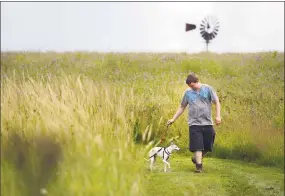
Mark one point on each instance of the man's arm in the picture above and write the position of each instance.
(215, 99)
(218, 111)
(179, 111)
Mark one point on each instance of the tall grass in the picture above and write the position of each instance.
(102, 108)
(88, 119)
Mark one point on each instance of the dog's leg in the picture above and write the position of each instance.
(151, 163)
(166, 163)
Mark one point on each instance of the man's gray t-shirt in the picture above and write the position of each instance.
(199, 105)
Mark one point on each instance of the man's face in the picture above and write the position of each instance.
(193, 85)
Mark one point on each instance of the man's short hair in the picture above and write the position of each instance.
(192, 77)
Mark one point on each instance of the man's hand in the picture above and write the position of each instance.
(218, 120)
(169, 122)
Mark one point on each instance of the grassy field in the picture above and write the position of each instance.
(95, 115)
(220, 178)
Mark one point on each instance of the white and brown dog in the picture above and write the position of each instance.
(163, 152)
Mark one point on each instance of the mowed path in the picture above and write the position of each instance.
(220, 178)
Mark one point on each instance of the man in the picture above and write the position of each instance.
(199, 97)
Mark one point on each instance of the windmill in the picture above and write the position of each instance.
(208, 29)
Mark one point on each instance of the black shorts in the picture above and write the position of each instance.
(201, 138)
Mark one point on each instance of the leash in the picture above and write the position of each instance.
(164, 134)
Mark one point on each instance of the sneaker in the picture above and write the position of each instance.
(199, 168)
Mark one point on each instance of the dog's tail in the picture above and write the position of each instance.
(146, 159)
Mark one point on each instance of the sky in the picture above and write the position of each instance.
(140, 26)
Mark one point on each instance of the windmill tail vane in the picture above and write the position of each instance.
(190, 27)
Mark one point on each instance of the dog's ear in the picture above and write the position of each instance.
(171, 142)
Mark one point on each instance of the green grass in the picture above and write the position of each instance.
(105, 110)
(220, 177)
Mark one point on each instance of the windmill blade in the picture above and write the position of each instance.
(211, 21)
(203, 35)
(217, 25)
(190, 27)
(216, 28)
(217, 22)
(203, 32)
(210, 36)
(206, 36)
(207, 19)
(206, 23)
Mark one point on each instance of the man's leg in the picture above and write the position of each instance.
(196, 146)
(198, 157)
(194, 156)
(199, 165)
(208, 139)
(195, 138)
